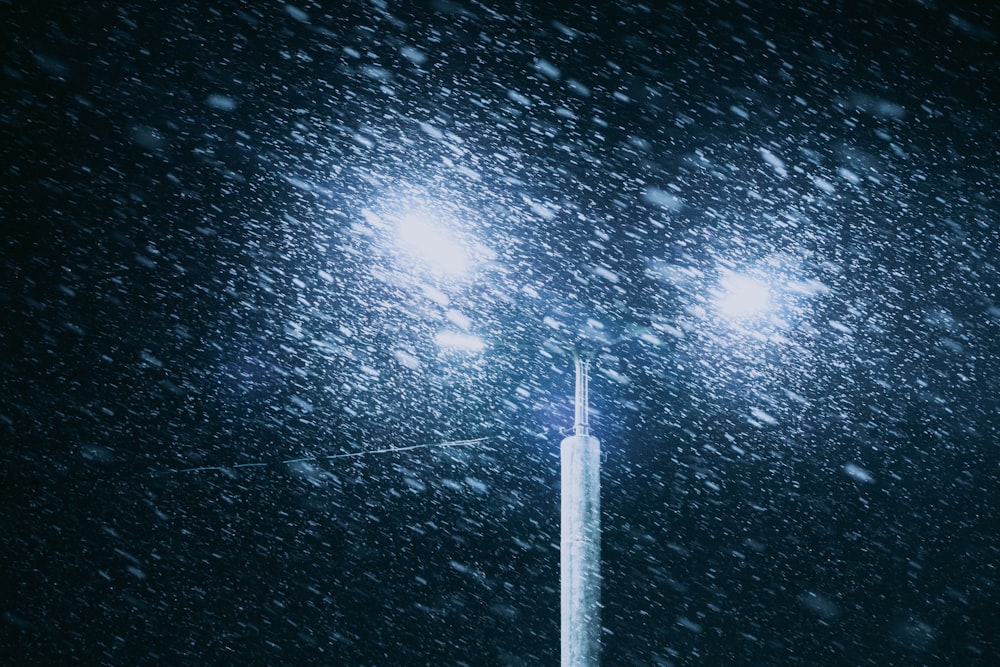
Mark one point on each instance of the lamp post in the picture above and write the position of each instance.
(580, 535)
(580, 453)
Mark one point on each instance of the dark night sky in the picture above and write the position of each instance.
(199, 269)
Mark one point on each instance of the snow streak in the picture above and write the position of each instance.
(329, 457)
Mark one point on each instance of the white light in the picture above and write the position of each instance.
(431, 243)
(743, 297)
(461, 342)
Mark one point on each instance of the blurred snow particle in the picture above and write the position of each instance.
(808, 287)
(301, 404)
(54, 68)
(848, 176)
(17, 621)
(820, 605)
(824, 185)
(565, 30)
(541, 210)
(458, 318)
(476, 485)
(858, 473)
(841, 327)
(546, 68)
(148, 137)
(580, 89)
(913, 633)
(220, 102)
(640, 143)
(451, 7)
(615, 376)
(297, 13)
(776, 163)
(663, 199)
(606, 274)
(518, 98)
(689, 624)
(673, 274)
(414, 55)
(459, 341)
(362, 140)
(150, 360)
(763, 417)
(376, 73)
(415, 484)
(430, 130)
(971, 29)
(407, 359)
(97, 453)
(877, 106)
(435, 295)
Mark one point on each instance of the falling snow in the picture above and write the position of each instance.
(303, 251)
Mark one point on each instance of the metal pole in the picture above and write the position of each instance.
(581, 424)
(580, 536)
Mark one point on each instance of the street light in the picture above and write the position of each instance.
(755, 298)
(428, 241)
(751, 300)
(743, 296)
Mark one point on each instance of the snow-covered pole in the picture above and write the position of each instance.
(580, 535)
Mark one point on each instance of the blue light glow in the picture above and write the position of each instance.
(743, 297)
(429, 241)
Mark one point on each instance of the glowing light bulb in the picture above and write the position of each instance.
(743, 297)
(431, 243)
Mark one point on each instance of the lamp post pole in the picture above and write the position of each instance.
(580, 535)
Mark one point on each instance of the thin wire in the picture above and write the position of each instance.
(330, 457)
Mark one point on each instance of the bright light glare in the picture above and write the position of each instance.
(461, 342)
(431, 243)
(743, 297)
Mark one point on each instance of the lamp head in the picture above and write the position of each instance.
(743, 297)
